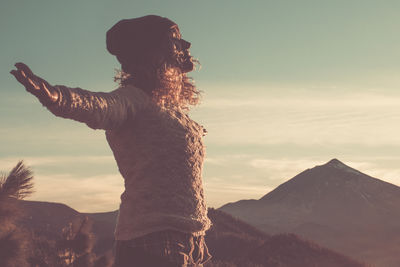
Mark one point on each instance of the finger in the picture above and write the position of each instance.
(31, 82)
(45, 86)
(34, 84)
(20, 78)
(21, 66)
(21, 71)
(46, 91)
(43, 82)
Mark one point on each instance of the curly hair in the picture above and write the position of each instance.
(168, 86)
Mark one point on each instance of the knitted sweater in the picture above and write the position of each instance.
(159, 153)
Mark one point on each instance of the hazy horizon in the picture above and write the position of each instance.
(286, 86)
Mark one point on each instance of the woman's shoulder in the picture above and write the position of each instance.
(135, 95)
(132, 90)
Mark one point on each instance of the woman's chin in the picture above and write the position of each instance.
(187, 66)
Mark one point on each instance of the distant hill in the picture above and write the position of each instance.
(231, 241)
(47, 218)
(336, 206)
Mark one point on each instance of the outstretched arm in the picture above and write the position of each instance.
(98, 110)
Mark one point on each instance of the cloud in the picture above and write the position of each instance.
(85, 194)
(283, 164)
(225, 160)
(7, 162)
(310, 118)
(220, 193)
(312, 101)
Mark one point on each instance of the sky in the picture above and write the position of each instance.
(287, 85)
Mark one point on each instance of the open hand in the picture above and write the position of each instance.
(34, 84)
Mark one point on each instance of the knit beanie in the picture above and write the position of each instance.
(135, 39)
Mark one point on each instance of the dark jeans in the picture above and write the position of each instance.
(162, 249)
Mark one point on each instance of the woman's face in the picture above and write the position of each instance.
(181, 50)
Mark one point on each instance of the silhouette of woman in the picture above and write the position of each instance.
(158, 148)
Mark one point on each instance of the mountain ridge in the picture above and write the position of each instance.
(232, 241)
(334, 205)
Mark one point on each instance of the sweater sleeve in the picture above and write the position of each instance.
(98, 110)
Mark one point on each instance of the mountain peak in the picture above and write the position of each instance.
(337, 164)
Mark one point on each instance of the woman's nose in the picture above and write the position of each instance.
(185, 44)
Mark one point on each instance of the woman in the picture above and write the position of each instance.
(157, 147)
